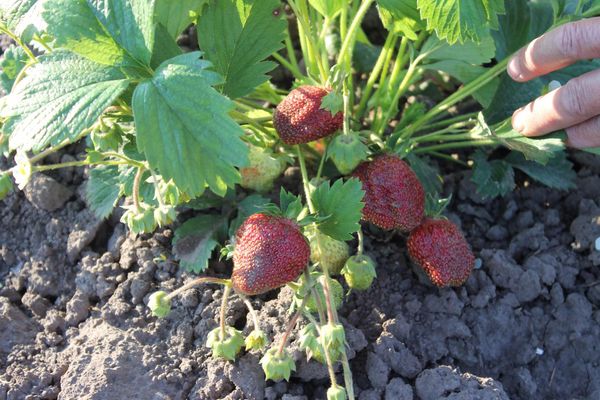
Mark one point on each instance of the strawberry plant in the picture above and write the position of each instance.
(167, 130)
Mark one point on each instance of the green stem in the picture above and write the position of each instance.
(304, 29)
(305, 180)
(448, 158)
(252, 311)
(156, 189)
(390, 43)
(322, 162)
(361, 241)
(136, 188)
(455, 145)
(458, 96)
(449, 121)
(18, 41)
(196, 282)
(223, 312)
(291, 52)
(286, 336)
(250, 121)
(348, 44)
(82, 163)
(293, 69)
(399, 63)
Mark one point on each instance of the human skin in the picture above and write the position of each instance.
(575, 106)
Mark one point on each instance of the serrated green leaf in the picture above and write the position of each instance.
(290, 204)
(328, 8)
(165, 47)
(248, 206)
(175, 16)
(195, 241)
(428, 175)
(238, 43)
(401, 17)
(184, 129)
(62, 95)
(13, 61)
(102, 190)
(333, 102)
(469, 52)
(493, 178)
(461, 20)
(110, 32)
(558, 173)
(342, 203)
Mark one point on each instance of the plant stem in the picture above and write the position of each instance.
(304, 29)
(286, 336)
(196, 282)
(388, 47)
(18, 41)
(82, 163)
(322, 162)
(291, 67)
(244, 118)
(449, 121)
(136, 188)
(448, 158)
(348, 44)
(251, 310)
(291, 52)
(305, 180)
(223, 312)
(361, 241)
(455, 145)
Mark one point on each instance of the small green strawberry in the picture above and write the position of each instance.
(139, 221)
(264, 168)
(331, 254)
(359, 272)
(164, 215)
(336, 393)
(159, 304)
(277, 366)
(337, 292)
(108, 140)
(333, 337)
(225, 347)
(347, 151)
(256, 340)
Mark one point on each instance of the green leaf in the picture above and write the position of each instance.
(176, 15)
(22, 17)
(333, 102)
(558, 173)
(428, 175)
(195, 241)
(593, 150)
(103, 190)
(290, 205)
(461, 20)
(111, 32)
(342, 203)
(248, 206)
(62, 95)
(238, 43)
(401, 17)
(493, 178)
(184, 129)
(165, 47)
(468, 52)
(13, 61)
(328, 8)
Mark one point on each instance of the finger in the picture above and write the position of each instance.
(557, 49)
(584, 135)
(569, 105)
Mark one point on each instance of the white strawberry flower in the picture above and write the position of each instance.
(22, 171)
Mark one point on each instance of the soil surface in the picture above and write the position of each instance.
(74, 325)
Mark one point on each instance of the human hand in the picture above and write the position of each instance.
(574, 106)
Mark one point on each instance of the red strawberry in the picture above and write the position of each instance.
(270, 251)
(439, 247)
(299, 118)
(394, 197)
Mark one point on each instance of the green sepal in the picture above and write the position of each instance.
(165, 215)
(139, 221)
(109, 140)
(277, 366)
(336, 393)
(347, 151)
(159, 304)
(6, 185)
(359, 272)
(227, 347)
(256, 340)
(337, 291)
(333, 339)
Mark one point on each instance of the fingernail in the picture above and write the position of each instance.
(518, 121)
(514, 69)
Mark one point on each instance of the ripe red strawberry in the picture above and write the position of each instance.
(270, 251)
(394, 197)
(299, 117)
(439, 247)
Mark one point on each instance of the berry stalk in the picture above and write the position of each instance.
(223, 312)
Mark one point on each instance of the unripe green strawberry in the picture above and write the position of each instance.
(139, 221)
(164, 215)
(159, 304)
(225, 347)
(264, 168)
(270, 251)
(109, 140)
(6, 184)
(336, 393)
(331, 254)
(337, 293)
(347, 151)
(359, 272)
(256, 340)
(277, 366)
(394, 197)
(299, 117)
(439, 247)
